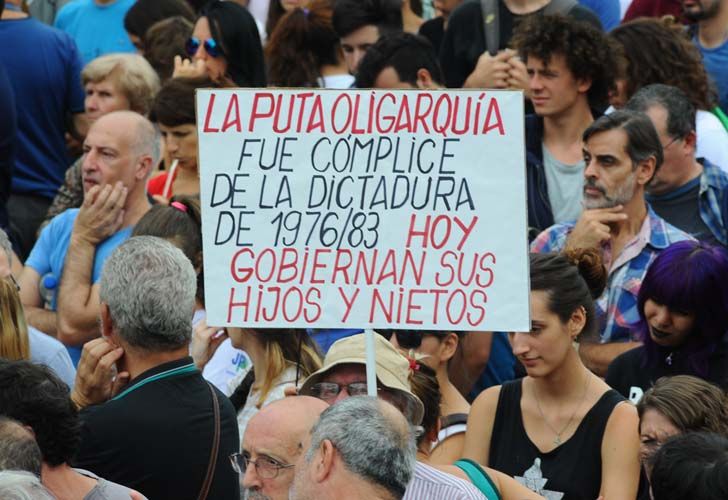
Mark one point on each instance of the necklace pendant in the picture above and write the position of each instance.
(557, 440)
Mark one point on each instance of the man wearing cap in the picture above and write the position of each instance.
(344, 374)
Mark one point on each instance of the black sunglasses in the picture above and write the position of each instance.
(409, 339)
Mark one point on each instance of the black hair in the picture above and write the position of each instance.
(589, 53)
(144, 13)
(18, 449)
(174, 104)
(164, 40)
(405, 52)
(680, 111)
(642, 139)
(692, 465)
(234, 28)
(573, 279)
(350, 15)
(35, 396)
(182, 227)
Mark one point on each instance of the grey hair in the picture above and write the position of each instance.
(18, 449)
(372, 445)
(680, 111)
(6, 246)
(149, 286)
(147, 141)
(21, 485)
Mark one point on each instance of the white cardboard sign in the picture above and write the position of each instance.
(364, 208)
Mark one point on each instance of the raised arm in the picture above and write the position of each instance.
(78, 298)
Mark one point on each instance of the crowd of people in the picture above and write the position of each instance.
(113, 385)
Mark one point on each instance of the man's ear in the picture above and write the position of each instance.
(583, 85)
(646, 170)
(107, 326)
(424, 79)
(143, 167)
(324, 461)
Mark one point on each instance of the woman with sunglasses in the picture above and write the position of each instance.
(436, 350)
(225, 46)
(560, 429)
(683, 323)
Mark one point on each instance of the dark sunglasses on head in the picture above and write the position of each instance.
(211, 46)
(408, 339)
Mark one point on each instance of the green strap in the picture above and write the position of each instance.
(479, 478)
(721, 116)
(169, 373)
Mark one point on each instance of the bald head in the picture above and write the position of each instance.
(278, 434)
(141, 135)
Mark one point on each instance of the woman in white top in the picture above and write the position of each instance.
(657, 51)
(280, 357)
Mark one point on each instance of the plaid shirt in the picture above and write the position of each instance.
(712, 183)
(617, 307)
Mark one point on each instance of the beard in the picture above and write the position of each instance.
(620, 196)
(248, 494)
(701, 11)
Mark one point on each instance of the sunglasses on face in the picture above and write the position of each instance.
(212, 48)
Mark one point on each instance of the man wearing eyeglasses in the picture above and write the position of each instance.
(272, 444)
(686, 192)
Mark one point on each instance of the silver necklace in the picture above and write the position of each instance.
(557, 439)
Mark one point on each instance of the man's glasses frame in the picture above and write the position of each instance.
(265, 467)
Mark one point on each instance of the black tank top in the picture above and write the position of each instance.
(571, 471)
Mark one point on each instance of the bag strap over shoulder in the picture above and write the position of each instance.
(212, 463)
(491, 25)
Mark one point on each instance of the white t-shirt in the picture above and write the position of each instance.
(288, 377)
(712, 139)
(225, 364)
(343, 81)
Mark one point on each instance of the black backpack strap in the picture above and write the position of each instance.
(491, 25)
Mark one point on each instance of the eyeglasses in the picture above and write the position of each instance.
(664, 147)
(328, 391)
(211, 47)
(265, 467)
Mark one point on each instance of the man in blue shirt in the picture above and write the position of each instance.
(686, 192)
(97, 26)
(711, 37)
(44, 69)
(119, 153)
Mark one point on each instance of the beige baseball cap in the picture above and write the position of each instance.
(392, 368)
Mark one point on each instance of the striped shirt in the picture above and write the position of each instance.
(429, 483)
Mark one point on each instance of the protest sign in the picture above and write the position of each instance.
(364, 208)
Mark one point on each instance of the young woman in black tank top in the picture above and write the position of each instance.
(560, 430)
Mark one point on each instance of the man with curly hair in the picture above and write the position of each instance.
(571, 68)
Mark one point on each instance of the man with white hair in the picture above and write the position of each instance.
(169, 433)
(119, 153)
(361, 449)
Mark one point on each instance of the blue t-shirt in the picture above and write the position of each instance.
(8, 137)
(607, 11)
(45, 72)
(97, 29)
(716, 64)
(49, 254)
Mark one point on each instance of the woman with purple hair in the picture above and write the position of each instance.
(683, 307)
